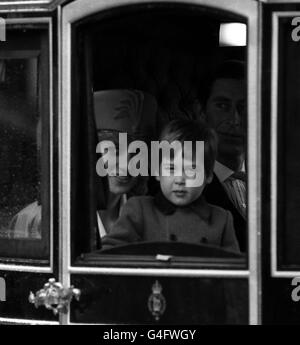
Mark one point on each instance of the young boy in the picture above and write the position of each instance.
(179, 212)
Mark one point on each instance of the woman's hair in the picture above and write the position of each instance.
(193, 130)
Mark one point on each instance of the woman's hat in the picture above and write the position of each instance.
(129, 111)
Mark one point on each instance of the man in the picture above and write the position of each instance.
(225, 111)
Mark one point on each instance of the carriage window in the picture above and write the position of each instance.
(287, 158)
(143, 78)
(24, 70)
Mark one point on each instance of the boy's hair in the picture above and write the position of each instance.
(193, 130)
(229, 69)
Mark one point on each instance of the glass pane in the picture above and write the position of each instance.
(288, 165)
(141, 83)
(24, 75)
(19, 149)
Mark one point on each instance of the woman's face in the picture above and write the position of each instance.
(122, 182)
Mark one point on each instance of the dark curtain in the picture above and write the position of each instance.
(88, 190)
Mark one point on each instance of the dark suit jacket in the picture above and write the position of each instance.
(215, 194)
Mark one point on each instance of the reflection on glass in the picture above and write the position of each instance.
(20, 209)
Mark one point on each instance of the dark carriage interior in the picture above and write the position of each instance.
(168, 52)
(24, 160)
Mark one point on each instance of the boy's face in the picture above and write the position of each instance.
(177, 189)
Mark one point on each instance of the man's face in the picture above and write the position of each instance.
(226, 113)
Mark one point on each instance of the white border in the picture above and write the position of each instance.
(24, 3)
(162, 272)
(4, 321)
(82, 8)
(274, 137)
(32, 268)
(285, 2)
(254, 60)
(63, 274)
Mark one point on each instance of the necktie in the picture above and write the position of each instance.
(239, 175)
(236, 189)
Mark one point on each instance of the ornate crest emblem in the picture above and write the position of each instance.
(156, 301)
(54, 296)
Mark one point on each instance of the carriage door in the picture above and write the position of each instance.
(164, 49)
(27, 249)
(281, 242)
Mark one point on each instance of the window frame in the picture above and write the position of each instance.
(80, 9)
(29, 5)
(34, 265)
(276, 272)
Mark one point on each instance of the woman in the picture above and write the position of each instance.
(123, 111)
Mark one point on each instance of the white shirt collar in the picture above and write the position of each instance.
(222, 172)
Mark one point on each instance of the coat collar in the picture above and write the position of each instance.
(199, 206)
(222, 172)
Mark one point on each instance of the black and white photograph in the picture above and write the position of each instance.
(149, 165)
